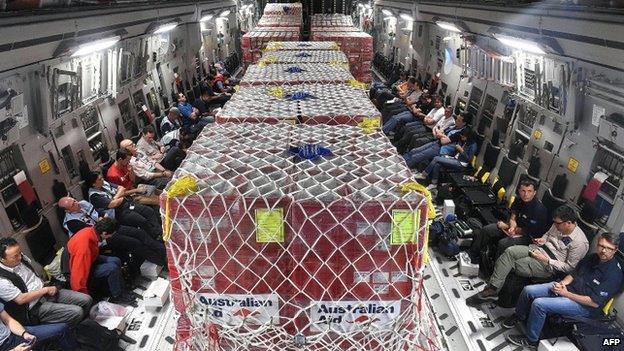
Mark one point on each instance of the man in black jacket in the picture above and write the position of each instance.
(26, 297)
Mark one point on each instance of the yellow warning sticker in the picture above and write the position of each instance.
(404, 226)
(270, 225)
(537, 134)
(44, 166)
(573, 165)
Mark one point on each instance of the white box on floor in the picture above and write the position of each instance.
(449, 208)
(467, 268)
(150, 270)
(556, 344)
(157, 293)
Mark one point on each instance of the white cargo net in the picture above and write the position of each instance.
(296, 73)
(283, 9)
(304, 103)
(305, 56)
(303, 45)
(278, 252)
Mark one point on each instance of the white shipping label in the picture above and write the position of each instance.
(361, 277)
(235, 308)
(354, 315)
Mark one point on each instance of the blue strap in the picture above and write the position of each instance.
(294, 69)
(309, 151)
(299, 96)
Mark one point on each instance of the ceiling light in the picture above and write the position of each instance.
(96, 46)
(206, 18)
(166, 27)
(407, 17)
(386, 13)
(449, 26)
(368, 6)
(225, 13)
(519, 43)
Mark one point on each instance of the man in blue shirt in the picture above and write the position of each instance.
(443, 145)
(582, 293)
(184, 107)
(528, 220)
(465, 149)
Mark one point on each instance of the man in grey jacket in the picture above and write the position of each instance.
(559, 250)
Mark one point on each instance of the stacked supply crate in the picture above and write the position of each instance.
(280, 73)
(254, 42)
(297, 231)
(280, 22)
(357, 45)
(299, 103)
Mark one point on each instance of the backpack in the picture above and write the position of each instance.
(90, 336)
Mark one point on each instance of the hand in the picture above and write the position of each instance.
(502, 225)
(539, 256)
(167, 174)
(162, 150)
(560, 289)
(30, 338)
(539, 241)
(511, 231)
(22, 347)
(52, 290)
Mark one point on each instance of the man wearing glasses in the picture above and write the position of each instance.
(559, 250)
(581, 293)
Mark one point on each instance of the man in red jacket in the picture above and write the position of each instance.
(86, 263)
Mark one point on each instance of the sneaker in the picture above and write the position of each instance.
(432, 186)
(522, 341)
(123, 299)
(510, 321)
(420, 176)
(486, 295)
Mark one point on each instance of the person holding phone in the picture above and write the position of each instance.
(15, 337)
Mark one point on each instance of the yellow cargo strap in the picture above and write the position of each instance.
(335, 46)
(414, 186)
(357, 84)
(237, 88)
(184, 186)
(277, 92)
(339, 63)
(369, 124)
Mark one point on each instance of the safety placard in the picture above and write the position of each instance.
(44, 166)
(573, 165)
(404, 224)
(270, 225)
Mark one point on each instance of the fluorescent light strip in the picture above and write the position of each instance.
(387, 12)
(98, 45)
(407, 17)
(165, 27)
(206, 18)
(449, 26)
(225, 13)
(521, 44)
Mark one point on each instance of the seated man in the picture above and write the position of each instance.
(172, 135)
(183, 106)
(170, 158)
(416, 134)
(139, 164)
(559, 250)
(528, 220)
(449, 137)
(465, 149)
(208, 100)
(135, 241)
(403, 100)
(583, 293)
(110, 200)
(86, 264)
(14, 336)
(26, 296)
(380, 92)
(413, 116)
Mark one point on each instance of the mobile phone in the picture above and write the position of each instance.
(31, 342)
